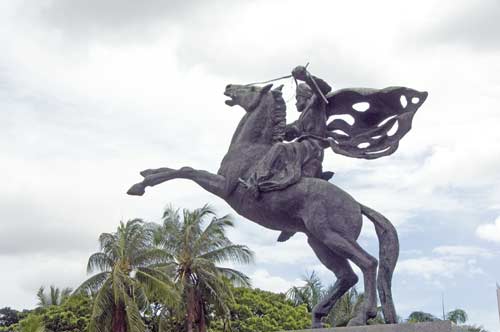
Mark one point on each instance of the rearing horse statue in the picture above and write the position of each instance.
(329, 217)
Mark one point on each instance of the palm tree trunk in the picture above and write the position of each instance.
(118, 320)
(190, 310)
(203, 323)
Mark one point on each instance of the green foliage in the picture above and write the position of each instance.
(32, 323)
(8, 317)
(471, 328)
(420, 317)
(257, 310)
(309, 294)
(457, 316)
(72, 316)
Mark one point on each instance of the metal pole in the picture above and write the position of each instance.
(442, 303)
(498, 299)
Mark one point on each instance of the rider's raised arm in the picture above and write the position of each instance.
(318, 85)
(322, 85)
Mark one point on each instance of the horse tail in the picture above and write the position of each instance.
(388, 256)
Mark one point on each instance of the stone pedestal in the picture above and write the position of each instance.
(440, 326)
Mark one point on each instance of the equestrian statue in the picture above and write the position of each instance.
(272, 175)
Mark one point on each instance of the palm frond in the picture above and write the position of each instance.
(218, 289)
(155, 282)
(213, 235)
(42, 298)
(235, 253)
(151, 256)
(102, 309)
(92, 284)
(99, 261)
(237, 278)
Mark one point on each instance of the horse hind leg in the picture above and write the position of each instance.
(350, 249)
(346, 278)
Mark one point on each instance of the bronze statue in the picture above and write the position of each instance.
(282, 186)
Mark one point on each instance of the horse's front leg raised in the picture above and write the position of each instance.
(211, 182)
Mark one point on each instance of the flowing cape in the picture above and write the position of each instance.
(369, 123)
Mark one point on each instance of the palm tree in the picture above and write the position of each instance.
(196, 250)
(130, 270)
(420, 316)
(457, 316)
(55, 297)
(309, 294)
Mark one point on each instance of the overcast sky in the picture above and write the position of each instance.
(91, 92)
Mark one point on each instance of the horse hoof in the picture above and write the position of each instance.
(316, 321)
(356, 322)
(137, 189)
(317, 324)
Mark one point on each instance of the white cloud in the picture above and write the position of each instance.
(264, 280)
(460, 251)
(490, 232)
(447, 262)
(293, 251)
(28, 272)
(429, 268)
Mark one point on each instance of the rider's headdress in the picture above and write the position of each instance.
(304, 90)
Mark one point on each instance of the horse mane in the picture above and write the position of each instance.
(278, 116)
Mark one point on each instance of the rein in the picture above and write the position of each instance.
(269, 81)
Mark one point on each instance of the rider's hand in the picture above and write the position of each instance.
(291, 132)
(300, 73)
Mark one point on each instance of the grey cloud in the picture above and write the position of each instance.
(474, 26)
(28, 227)
(240, 62)
(120, 20)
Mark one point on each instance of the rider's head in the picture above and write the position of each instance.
(302, 95)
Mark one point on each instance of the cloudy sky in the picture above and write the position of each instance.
(91, 92)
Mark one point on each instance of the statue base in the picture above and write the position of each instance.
(439, 326)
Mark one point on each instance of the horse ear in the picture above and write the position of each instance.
(266, 88)
(279, 88)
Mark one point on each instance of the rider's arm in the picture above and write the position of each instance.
(317, 84)
(322, 85)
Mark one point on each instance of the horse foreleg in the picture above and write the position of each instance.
(211, 182)
(151, 171)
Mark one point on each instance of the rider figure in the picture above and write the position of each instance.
(286, 163)
(310, 129)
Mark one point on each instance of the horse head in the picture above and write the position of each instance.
(265, 118)
(248, 97)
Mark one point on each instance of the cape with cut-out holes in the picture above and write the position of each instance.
(369, 123)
